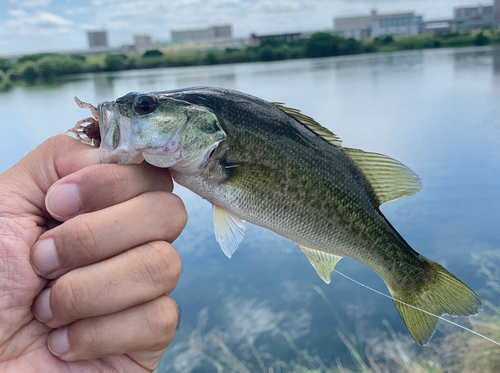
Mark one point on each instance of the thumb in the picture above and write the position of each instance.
(29, 180)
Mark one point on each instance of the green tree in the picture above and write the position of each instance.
(481, 39)
(152, 53)
(34, 57)
(29, 71)
(51, 66)
(115, 62)
(5, 64)
(211, 58)
(322, 44)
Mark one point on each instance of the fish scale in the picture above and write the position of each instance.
(275, 167)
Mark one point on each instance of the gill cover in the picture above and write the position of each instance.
(164, 131)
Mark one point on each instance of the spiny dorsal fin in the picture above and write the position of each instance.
(389, 179)
(323, 263)
(229, 230)
(310, 123)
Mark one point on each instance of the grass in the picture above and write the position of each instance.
(457, 351)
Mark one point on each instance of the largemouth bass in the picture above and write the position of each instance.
(275, 167)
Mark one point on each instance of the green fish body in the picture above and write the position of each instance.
(277, 168)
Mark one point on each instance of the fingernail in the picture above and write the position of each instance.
(63, 201)
(44, 257)
(41, 307)
(58, 342)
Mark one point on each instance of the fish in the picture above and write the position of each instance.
(270, 165)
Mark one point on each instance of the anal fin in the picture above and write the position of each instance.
(229, 230)
(324, 263)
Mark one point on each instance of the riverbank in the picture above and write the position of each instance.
(40, 67)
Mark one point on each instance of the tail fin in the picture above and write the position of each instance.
(441, 294)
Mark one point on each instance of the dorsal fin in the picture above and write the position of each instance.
(389, 179)
(310, 123)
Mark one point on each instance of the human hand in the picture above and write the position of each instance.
(104, 274)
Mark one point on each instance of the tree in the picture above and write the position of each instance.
(5, 64)
(481, 39)
(322, 44)
(115, 62)
(152, 53)
(29, 71)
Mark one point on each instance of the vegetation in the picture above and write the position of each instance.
(46, 66)
(458, 351)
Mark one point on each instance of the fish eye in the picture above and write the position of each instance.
(145, 104)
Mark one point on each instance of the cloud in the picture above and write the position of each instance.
(77, 10)
(31, 3)
(38, 23)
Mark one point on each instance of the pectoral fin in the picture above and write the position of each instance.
(229, 230)
(323, 263)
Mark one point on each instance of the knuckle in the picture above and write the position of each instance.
(93, 334)
(162, 320)
(163, 267)
(177, 205)
(70, 296)
(83, 239)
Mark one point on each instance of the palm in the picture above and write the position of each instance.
(23, 338)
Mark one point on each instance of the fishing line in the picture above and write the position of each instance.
(418, 309)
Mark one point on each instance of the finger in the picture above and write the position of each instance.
(34, 174)
(131, 278)
(147, 327)
(99, 186)
(92, 237)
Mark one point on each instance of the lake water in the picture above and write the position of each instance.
(436, 111)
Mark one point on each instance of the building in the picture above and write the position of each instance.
(479, 17)
(142, 43)
(375, 25)
(203, 35)
(438, 26)
(496, 13)
(258, 40)
(97, 39)
(396, 24)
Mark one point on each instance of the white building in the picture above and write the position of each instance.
(376, 24)
(203, 35)
(142, 43)
(396, 24)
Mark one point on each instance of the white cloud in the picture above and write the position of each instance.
(31, 3)
(77, 10)
(34, 24)
(16, 12)
(49, 20)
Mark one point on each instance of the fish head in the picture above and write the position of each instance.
(164, 131)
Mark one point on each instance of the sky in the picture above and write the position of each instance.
(28, 26)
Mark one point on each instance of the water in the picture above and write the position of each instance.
(436, 111)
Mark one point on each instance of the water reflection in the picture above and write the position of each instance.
(206, 76)
(436, 111)
(496, 60)
(103, 87)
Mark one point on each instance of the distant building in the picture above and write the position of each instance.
(203, 35)
(496, 14)
(437, 27)
(479, 17)
(258, 40)
(97, 39)
(375, 25)
(142, 43)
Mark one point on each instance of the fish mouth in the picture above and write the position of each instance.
(116, 133)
